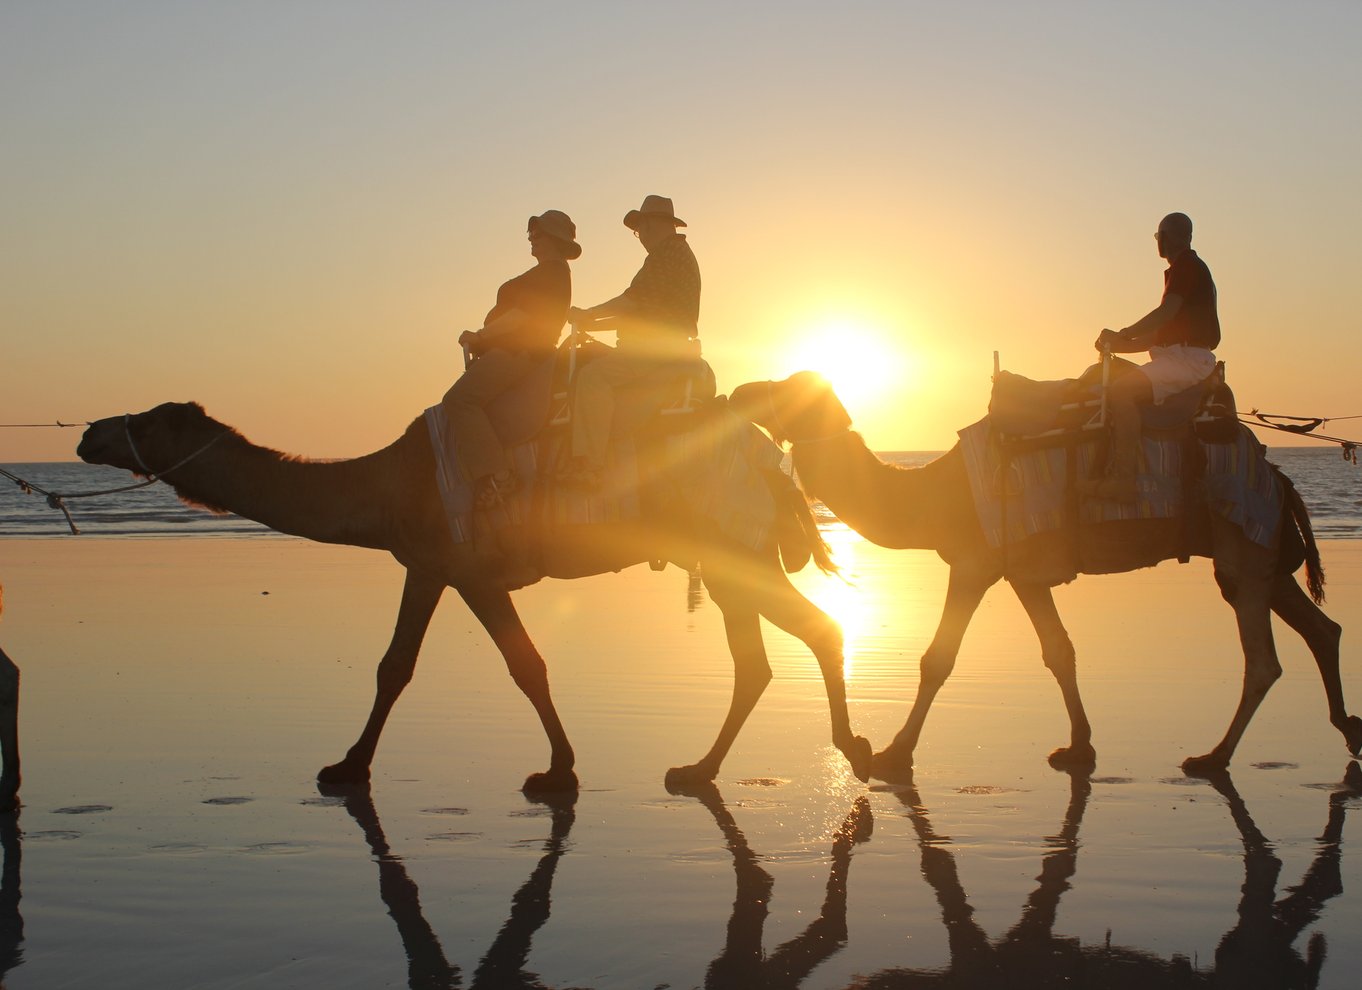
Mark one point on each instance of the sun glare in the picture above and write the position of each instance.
(860, 362)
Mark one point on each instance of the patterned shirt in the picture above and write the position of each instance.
(666, 289)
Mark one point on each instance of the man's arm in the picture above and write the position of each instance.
(1139, 336)
(621, 305)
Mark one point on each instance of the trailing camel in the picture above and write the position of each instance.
(388, 500)
(931, 508)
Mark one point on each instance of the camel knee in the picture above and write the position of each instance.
(395, 673)
(935, 667)
(1060, 658)
(530, 673)
(1260, 676)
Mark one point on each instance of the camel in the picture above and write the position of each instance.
(388, 500)
(9, 729)
(931, 508)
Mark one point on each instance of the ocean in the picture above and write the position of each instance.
(1331, 487)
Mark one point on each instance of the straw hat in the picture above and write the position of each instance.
(653, 206)
(560, 227)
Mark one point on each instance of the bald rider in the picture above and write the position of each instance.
(1180, 335)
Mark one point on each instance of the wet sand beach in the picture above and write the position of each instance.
(179, 696)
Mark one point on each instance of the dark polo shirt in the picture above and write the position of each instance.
(1196, 323)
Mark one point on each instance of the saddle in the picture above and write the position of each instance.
(1043, 413)
(532, 419)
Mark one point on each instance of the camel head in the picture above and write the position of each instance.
(150, 442)
(802, 407)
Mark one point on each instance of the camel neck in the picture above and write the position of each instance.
(890, 505)
(326, 501)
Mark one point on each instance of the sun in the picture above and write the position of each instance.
(862, 363)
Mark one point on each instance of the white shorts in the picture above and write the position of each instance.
(1175, 368)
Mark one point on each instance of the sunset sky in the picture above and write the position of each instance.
(289, 211)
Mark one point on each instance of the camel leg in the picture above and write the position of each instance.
(9, 733)
(497, 613)
(1250, 594)
(790, 611)
(751, 674)
(964, 592)
(420, 595)
(1321, 634)
(1057, 650)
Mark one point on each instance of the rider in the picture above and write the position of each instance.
(656, 319)
(1179, 335)
(520, 331)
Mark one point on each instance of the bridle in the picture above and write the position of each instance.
(153, 476)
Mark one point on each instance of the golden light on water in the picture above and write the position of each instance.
(840, 598)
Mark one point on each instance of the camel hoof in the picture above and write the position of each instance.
(891, 768)
(859, 824)
(1205, 766)
(1073, 758)
(694, 775)
(343, 773)
(549, 782)
(861, 756)
(1352, 732)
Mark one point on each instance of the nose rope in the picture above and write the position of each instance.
(57, 500)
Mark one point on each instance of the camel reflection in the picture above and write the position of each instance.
(1257, 952)
(503, 965)
(11, 921)
(742, 965)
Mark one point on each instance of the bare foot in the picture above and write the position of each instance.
(550, 781)
(1074, 757)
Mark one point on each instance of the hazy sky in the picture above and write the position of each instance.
(288, 211)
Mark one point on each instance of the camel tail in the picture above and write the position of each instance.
(818, 547)
(796, 528)
(1300, 515)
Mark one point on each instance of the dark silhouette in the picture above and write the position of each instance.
(11, 921)
(743, 964)
(9, 728)
(931, 508)
(1179, 334)
(1257, 953)
(503, 965)
(388, 500)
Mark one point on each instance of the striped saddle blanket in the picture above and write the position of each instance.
(1029, 491)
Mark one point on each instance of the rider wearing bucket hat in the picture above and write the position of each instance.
(519, 332)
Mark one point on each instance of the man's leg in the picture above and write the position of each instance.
(1124, 398)
(593, 407)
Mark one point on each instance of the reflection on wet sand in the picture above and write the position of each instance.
(11, 921)
(742, 965)
(503, 965)
(1257, 952)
